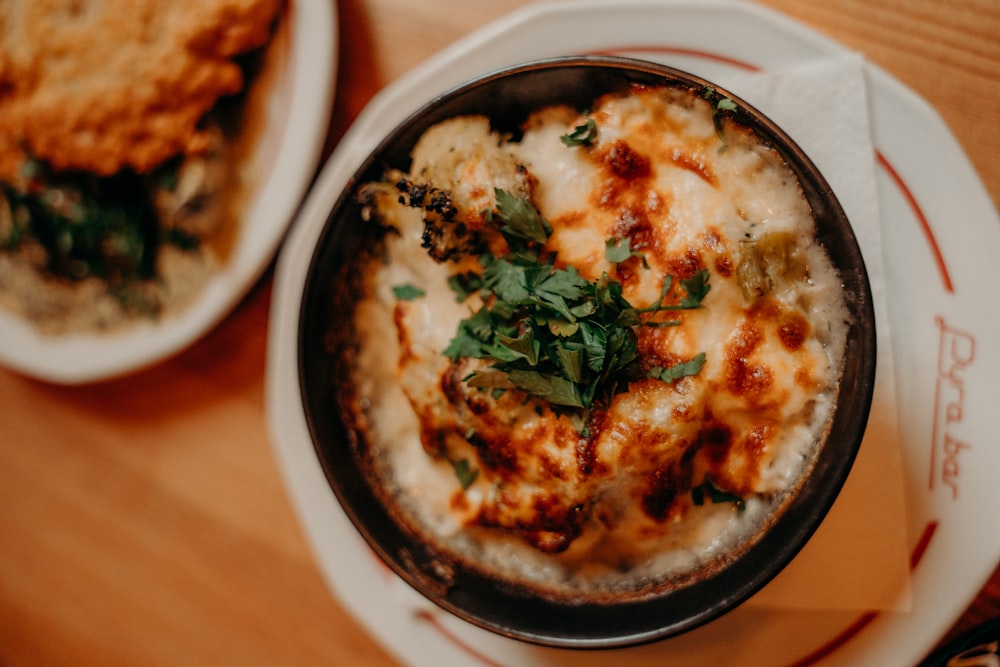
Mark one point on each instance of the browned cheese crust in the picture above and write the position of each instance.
(102, 85)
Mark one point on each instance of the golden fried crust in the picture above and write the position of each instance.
(102, 85)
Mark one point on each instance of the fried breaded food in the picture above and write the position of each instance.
(102, 85)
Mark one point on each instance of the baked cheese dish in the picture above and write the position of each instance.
(600, 354)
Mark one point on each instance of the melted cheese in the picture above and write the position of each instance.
(551, 506)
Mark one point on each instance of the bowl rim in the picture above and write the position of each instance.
(493, 605)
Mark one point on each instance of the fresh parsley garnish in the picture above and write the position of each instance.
(465, 473)
(550, 332)
(697, 288)
(465, 285)
(582, 135)
(726, 104)
(708, 490)
(719, 104)
(518, 220)
(407, 292)
(678, 371)
(618, 250)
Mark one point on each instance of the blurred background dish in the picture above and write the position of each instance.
(290, 101)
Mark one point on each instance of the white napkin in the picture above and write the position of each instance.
(858, 559)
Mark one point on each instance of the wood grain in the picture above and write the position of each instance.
(144, 520)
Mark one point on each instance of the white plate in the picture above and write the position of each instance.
(298, 109)
(939, 285)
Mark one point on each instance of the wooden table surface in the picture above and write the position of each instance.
(143, 520)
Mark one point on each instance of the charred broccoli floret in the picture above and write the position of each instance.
(445, 237)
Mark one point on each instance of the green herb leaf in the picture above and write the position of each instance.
(489, 379)
(617, 251)
(519, 219)
(572, 362)
(719, 104)
(709, 490)
(524, 346)
(678, 371)
(551, 333)
(465, 472)
(473, 336)
(552, 388)
(697, 289)
(407, 292)
(582, 135)
(465, 285)
(726, 104)
(560, 327)
(506, 280)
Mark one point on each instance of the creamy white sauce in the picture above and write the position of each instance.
(749, 193)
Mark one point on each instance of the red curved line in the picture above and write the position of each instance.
(922, 544)
(863, 621)
(838, 641)
(921, 219)
(680, 51)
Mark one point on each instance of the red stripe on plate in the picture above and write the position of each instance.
(679, 51)
(925, 225)
(839, 640)
(863, 621)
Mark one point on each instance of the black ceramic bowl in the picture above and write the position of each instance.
(507, 97)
